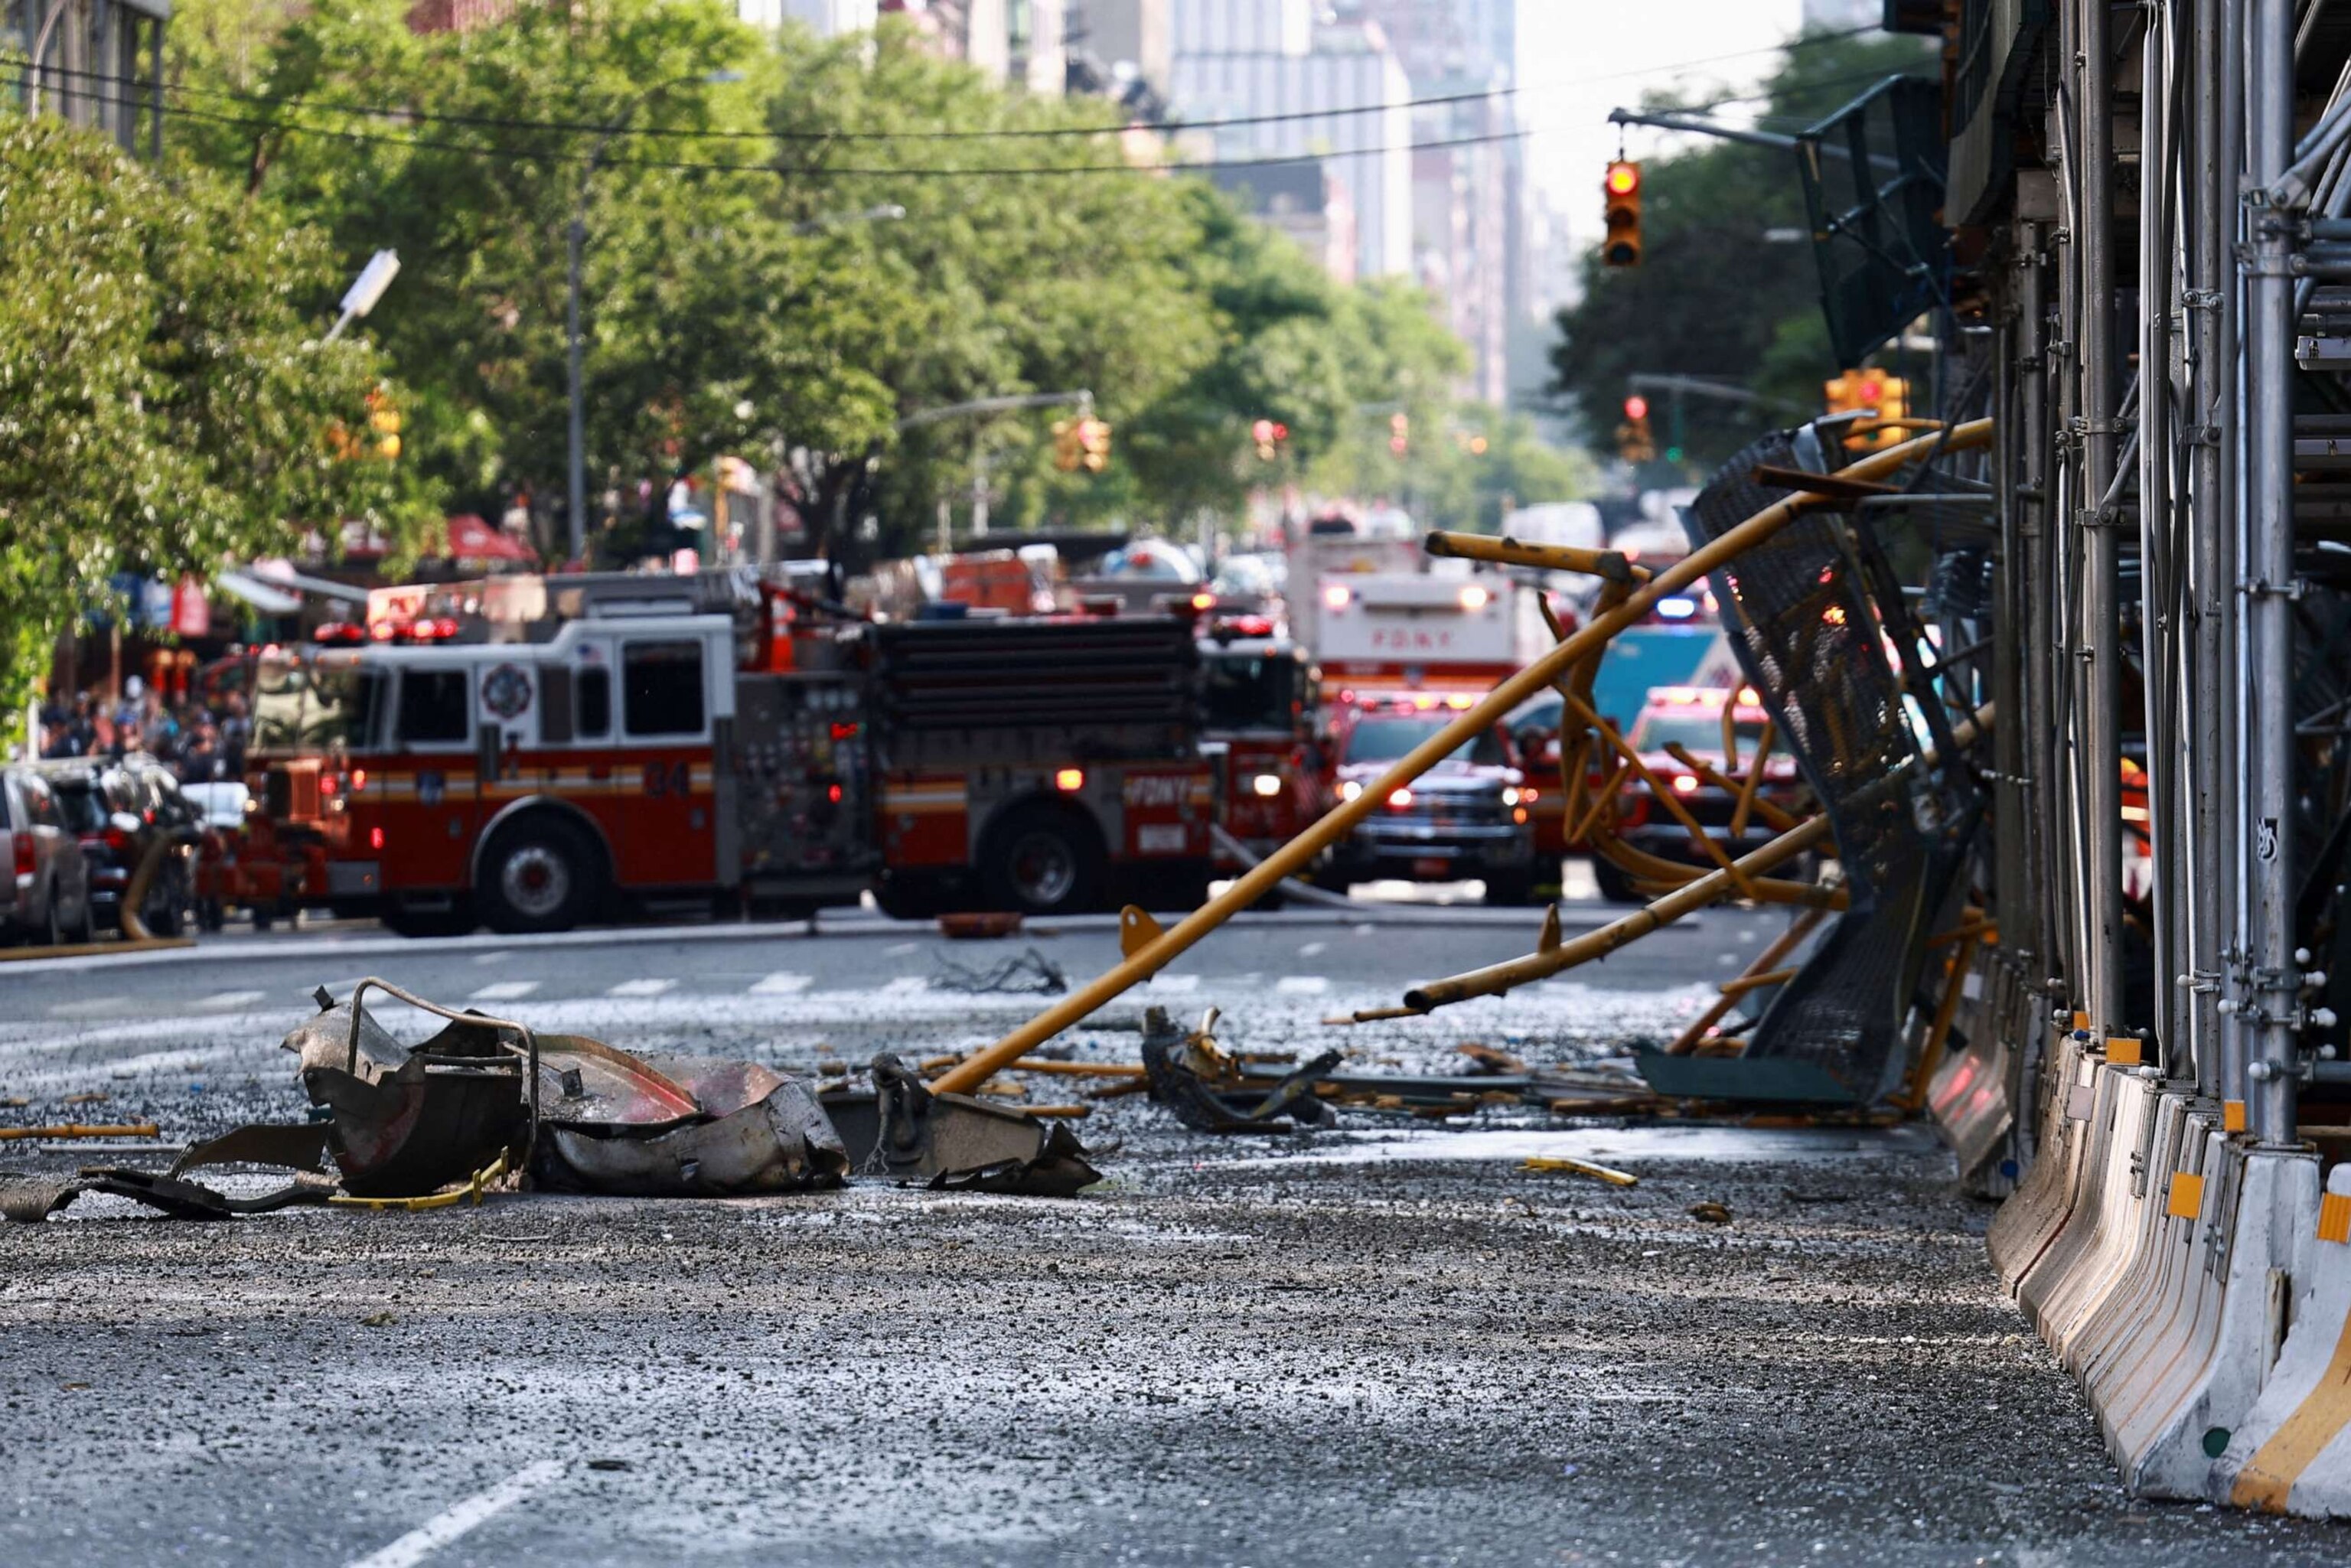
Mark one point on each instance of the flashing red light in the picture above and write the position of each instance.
(834, 794)
(384, 631)
(1624, 179)
(359, 778)
(843, 731)
(24, 867)
(1636, 407)
(375, 838)
(339, 632)
(327, 784)
(1280, 431)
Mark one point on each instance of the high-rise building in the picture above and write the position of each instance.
(1327, 91)
(1468, 171)
(825, 18)
(1015, 41)
(94, 62)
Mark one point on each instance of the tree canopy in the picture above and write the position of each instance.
(166, 398)
(792, 247)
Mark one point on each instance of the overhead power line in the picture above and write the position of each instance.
(412, 115)
(811, 170)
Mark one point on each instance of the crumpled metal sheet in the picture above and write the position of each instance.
(406, 1123)
(32, 1199)
(752, 1130)
(903, 1132)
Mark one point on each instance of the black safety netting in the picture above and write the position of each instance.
(1803, 614)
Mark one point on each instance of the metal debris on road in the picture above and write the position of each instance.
(1202, 1085)
(1571, 1167)
(81, 1130)
(1027, 971)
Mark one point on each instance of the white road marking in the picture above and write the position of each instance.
(1301, 985)
(897, 949)
(460, 1516)
(1175, 985)
(780, 985)
(906, 986)
(224, 1000)
(640, 988)
(505, 990)
(1311, 948)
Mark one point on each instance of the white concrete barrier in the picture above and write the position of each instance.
(2026, 1224)
(2288, 1452)
(2081, 1261)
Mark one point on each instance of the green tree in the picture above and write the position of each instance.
(1712, 297)
(166, 403)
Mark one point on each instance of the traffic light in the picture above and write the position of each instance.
(1094, 444)
(1399, 433)
(1271, 436)
(1622, 191)
(1634, 442)
(1069, 446)
(384, 419)
(1882, 398)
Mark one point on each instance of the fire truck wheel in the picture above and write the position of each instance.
(1044, 860)
(1516, 887)
(538, 874)
(1615, 884)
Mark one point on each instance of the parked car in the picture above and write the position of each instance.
(116, 810)
(1462, 819)
(45, 897)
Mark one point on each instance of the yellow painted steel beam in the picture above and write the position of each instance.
(1294, 856)
(1614, 565)
(1712, 888)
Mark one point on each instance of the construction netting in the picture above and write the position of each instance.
(1812, 616)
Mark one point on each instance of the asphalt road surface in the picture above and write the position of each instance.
(1384, 1345)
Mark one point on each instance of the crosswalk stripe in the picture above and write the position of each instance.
(640, 988)
(232, 998)
(780, 985)
(1175, 984)
(1311, 948)
(505, 990)
(1301, 985)
(906, 985)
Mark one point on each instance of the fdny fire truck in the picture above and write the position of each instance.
(529, 757)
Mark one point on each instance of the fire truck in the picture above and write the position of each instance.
(526, 757)
(1262, 716)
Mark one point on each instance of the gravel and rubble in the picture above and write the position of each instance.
(1387, 1344)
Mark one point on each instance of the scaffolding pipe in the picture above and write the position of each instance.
(2212, 199)
(1149, 950)
(2267, 1001)
(2100, 720)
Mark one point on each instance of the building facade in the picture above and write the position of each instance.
(97, 63)
(1264, 59)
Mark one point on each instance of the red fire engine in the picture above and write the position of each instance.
(639, 737)
(1262, 714)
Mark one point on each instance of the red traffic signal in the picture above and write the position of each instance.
(1624, 178)
(1636, 407)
